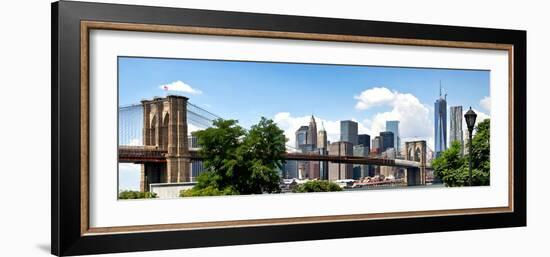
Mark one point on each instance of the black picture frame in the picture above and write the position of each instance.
(66, 209)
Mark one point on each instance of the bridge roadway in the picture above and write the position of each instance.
(151, 154)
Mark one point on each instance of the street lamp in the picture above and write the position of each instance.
(470, 117)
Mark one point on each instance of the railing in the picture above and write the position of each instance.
(141, 154)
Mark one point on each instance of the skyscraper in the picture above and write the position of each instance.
(455, 132)
(440, 123)
(393, 126)
(323, 165)
(312, 133)
(388, 171)
(348, 131)
(301, 136)
(322, 138)
(340, 170)
(363, 140)
(360, 170)
(386, 141)
(375, 147)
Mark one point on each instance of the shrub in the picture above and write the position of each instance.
(207, 191)
(128, 194)
(317, 186)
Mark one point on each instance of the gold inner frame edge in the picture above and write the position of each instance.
(86, 26)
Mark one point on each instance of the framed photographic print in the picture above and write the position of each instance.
(178, 128)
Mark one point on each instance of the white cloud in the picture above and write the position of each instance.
(181, 87)
(414, 117)
(481, 116)
(486, 103)
(372, 97)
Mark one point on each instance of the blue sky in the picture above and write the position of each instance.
(248, 90)
(291, 93)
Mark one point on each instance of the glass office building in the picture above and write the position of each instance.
(348, 131)
(440, 124)
(393, 126)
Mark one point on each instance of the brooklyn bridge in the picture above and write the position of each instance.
(154, 134)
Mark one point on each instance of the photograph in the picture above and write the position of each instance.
(178, 127)
(198, 127)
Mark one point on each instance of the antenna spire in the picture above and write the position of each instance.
(440, 92)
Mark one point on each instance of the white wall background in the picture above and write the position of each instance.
(25, 104)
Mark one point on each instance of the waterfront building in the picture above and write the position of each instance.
(386, 140)
(455, 130)
(388, 171)
(338, 171)
(348, 131)
(323, 166)
(440, 123)
(314, 171)
(393, 126)
(360, 170)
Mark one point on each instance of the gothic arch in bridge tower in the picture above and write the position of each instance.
(152, 131)
(417, 154)
(164, 134)
(416, 151)
(165, 128)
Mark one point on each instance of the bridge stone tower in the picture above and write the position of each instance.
(165, 128)
(416, 151)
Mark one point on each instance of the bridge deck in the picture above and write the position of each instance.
(146, 154)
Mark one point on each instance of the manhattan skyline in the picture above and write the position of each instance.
(291, 93)
(369, 95)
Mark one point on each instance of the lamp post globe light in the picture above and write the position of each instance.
(470, 117)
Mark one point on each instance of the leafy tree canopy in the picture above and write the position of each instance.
(453, 168)
(239, 161)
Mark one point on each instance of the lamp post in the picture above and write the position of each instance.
(470, 117)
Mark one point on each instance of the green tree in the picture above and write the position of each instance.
(239, 161)
(449, 166)
(480, 151)
(219, 146)
(206, 186)
(261, 154)
(452, 167)
(317, 186)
